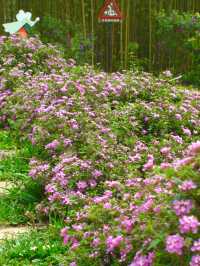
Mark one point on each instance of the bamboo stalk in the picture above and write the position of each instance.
(150, 34)
(92, 24)
(83, 17)
(193, 5)
(127, 33)
(121, 39)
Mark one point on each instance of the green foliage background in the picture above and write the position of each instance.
(75, 24)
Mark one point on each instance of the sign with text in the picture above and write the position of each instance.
(110, 12)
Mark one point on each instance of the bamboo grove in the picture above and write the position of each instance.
(138, 24)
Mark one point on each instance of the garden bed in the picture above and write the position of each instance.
(115, 157)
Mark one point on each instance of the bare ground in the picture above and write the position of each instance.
(5, 186)
(11, 232)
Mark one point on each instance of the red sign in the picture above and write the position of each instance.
(110, 12)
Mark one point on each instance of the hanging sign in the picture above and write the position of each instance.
(22, 25)
(110, 12)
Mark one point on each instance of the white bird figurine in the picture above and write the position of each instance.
(22, 25)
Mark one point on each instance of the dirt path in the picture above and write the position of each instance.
(5, 186)
(5, 154)
(11, 232)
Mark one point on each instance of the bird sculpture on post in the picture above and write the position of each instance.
(22, 25)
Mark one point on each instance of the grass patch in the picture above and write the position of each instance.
(41, 247)
(17, 159)
(26, 193)
(20, 200)
(7, 141)
(11, 168)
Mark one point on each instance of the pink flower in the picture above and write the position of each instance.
(64, 234)
(165, 150)
(178, 139)
(178, 116)
(113, 242)
(107, 205)
(188, 224)
(124, 252)
(52, 145)
(64, 231)
(183, 162)
(75, 244)
(64, 88)
(145, 207)
(110, 165)
(134, 158)
(187, 185)
(175, 244)
(73, 124)
(82, 185)
(157, 209)
(94, 254)
(187, 131)
(96, 173)
(67, 142)
(92, 183)
(113, 184)
(33, 172)
(66, 239)
(141, 260)
(195, 260)
(182, 207)
(196, 246)
(77, 227)
(165, 165)
(150, 163)
(167, 73)
(73, 264)
(66, 200)
(96, 242)
(81, 89)
(194, 148)
(105, 130)
(127, 224)
(106, 228)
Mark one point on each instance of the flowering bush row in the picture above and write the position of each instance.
(119, 155)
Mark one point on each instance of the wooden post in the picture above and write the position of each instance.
(109, 46)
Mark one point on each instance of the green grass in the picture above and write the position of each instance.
(26, 193)
(12, 167)
(39, 247)
(14, 163)
(21, 199)
(7, 141)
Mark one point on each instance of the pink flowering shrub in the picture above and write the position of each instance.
(140, 215)
(118, 155)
